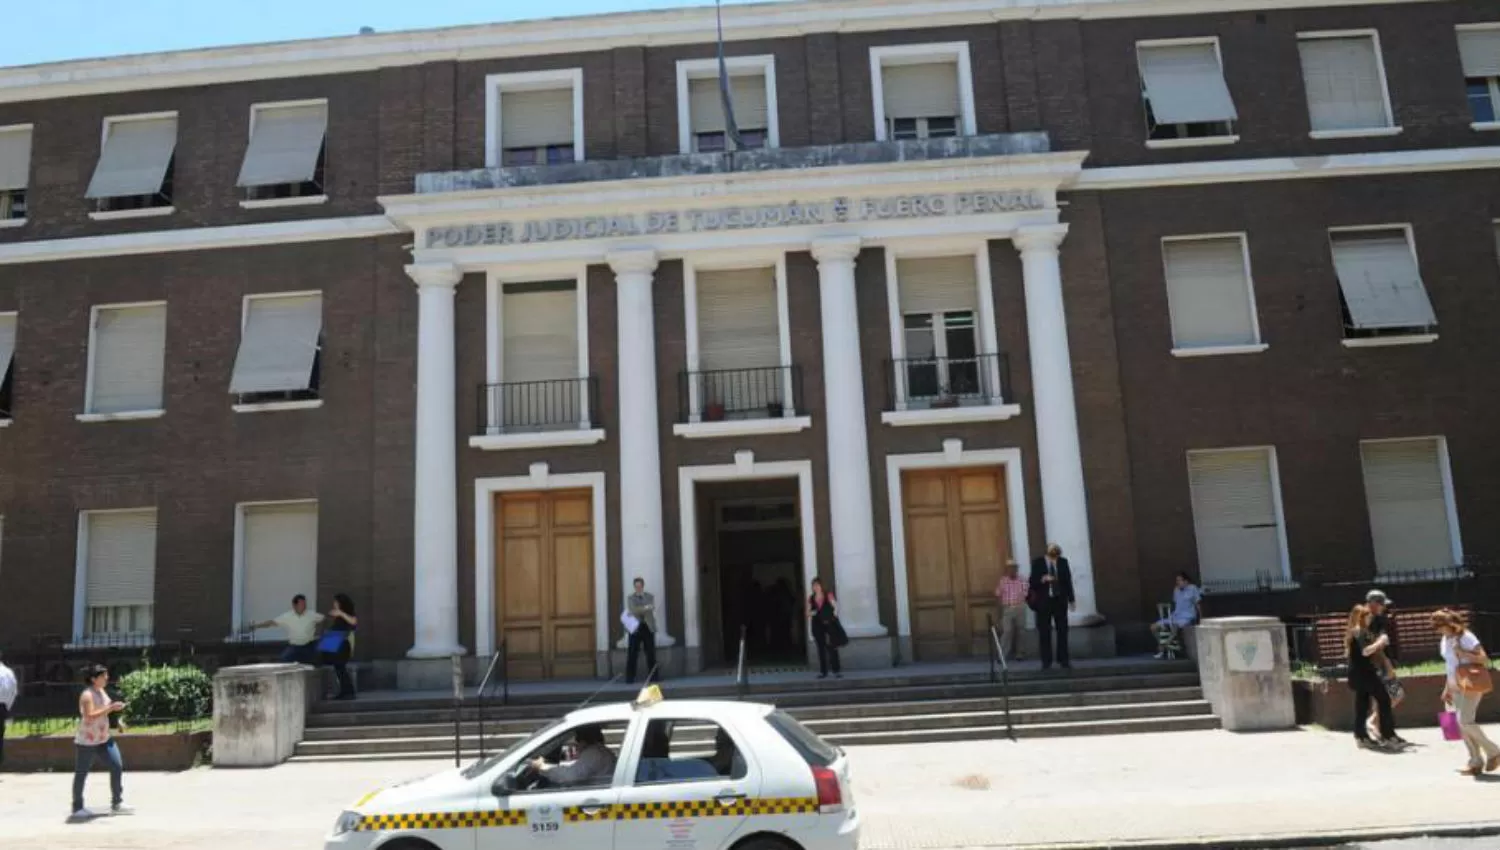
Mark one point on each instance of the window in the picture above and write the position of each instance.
(700, 104)
(134, 173)
(560, 748)
(1411, 515)
(688, 750)
(1345, 81)
(1186, 98)
(535, 118)
(1382, 290)
(126, 353)
(118, 559)
(1209, 295)
(939, 301)
(1479, 47)
(278, 560)
(7, 361)
(540, 386)
(280, 344)
(1237, 515)
(285, 157)
(813, 749)
(922, 91)
(738, 372)
(15, 173)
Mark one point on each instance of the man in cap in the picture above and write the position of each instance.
(1381, 623)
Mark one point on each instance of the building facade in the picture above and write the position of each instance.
(508, 316)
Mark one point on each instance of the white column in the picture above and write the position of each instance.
(435, 566)
(1064, 503)
(642, 547)
(851, 509)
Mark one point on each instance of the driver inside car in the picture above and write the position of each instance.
(594, 763)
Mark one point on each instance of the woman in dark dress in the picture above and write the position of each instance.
(1364, 680)
(341, 619)
(822, 610)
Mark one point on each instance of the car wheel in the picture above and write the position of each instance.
(408, 844)
(766, 842)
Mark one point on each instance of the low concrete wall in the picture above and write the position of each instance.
(165, 751)
(1330, 704)
(260, 713)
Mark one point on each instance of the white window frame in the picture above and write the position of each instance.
(271, 406)
(21, 128)
(88, 384)
(1494, 81)
(1255, 347)
(305, 200)
(81, 565)
(1445, 469)
(791, 419)
(736, 66)
(1276, 502)
(9, 418)
(985, 329)
(145, 212)
(952, 51)
(236, 614)
(1411, 245)
(494, 361)
(495, 87)
(1205, 141)
(1391, 128)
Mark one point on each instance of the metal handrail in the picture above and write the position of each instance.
(741, 673)
(497, 658)
(997, 654)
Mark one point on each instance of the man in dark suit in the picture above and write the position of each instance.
(1052, 599)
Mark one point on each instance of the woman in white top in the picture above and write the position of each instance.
(1459, 646)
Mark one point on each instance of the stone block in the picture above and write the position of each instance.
(260, 713)
(1245, 672)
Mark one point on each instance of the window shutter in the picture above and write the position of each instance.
(925, 90)
(278, 344)
(1208, 293)
(706, 105)
(937, 284)
(129, 347)
(121, 563)
(1342, 76)
(1234, 515)
(7, 344)
(1378, 275)
(285, 144)
(534, 119)
(541, 333)
(1185, 84)
(738, 324)
(135, 158)
(1480, 50)
(1408, 507)
(15, 159)
(280, 560)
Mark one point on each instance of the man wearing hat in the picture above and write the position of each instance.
(1381, 623)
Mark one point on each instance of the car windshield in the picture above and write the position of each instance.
(484, 765)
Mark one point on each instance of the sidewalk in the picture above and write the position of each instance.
(1187, 786)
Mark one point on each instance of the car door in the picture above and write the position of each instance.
(563, 818)
(675, 795)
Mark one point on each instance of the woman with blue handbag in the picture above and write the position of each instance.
(337, 643)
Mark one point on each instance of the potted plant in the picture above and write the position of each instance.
(713, 412)
(945, 398)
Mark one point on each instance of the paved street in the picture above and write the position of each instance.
(1133, 788)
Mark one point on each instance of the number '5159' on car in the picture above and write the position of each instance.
(695, 775)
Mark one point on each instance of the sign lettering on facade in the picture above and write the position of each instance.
(791, 214)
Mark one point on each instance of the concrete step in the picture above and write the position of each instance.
(832, 729)
(1043, 730)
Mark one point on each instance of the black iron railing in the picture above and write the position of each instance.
(531, 406)
(721, 394)
(1000, 672)
(923, 383)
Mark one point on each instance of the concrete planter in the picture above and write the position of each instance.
(1330, 704)
(166, 751)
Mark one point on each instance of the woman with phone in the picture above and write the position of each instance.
(94, 741)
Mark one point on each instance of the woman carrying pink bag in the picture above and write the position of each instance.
(1468, 682)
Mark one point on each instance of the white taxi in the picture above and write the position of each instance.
(689, 775)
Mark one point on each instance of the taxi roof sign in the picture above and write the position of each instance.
(649, 696)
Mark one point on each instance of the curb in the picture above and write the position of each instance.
(1335, 838)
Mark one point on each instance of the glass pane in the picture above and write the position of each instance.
(710, 142)
(938, 128)
(1480, 99)
(919, 340)
(519, 156)
(557, 154)
(903, 128)
(752, 139)
(958, 333)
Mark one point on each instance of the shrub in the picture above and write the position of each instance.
(166, 693)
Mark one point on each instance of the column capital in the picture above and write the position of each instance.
(1039, 237)
(834, 249)
(435, 274)
(628, 260)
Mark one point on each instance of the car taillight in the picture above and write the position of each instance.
(830, 797)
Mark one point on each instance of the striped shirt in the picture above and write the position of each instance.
(1012, 591)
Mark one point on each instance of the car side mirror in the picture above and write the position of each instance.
(504, 786)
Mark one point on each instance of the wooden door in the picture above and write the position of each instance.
(544, 583)
(957, 539)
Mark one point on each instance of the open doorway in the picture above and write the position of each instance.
(750, 562)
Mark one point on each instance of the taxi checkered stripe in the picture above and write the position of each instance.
(623, 811)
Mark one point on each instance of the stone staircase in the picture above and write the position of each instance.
(907, 707)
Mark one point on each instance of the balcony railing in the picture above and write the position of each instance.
(924, 383)
(531, 406)
(724, 394)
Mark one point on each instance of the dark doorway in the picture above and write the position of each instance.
(751, 568)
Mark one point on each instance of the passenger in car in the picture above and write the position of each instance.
(726, 759)
(594, 763)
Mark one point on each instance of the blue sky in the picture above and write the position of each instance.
(57, 30)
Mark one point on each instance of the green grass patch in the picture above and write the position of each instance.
(67, 727)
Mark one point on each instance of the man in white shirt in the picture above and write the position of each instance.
(8, 690)
(594, 764)
(301, 626)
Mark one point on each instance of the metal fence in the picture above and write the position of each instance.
(719, 394)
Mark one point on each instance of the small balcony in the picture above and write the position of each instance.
(931, 390)
(531, 414)
(737, 402)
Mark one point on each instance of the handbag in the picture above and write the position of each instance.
(837, 637)
(332, 641)
(1474, 679)
(1448, 720)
